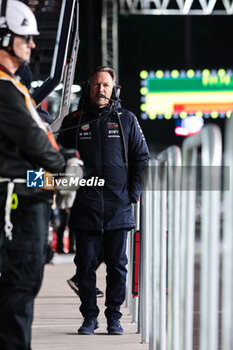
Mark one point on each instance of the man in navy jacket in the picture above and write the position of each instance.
(114, 151)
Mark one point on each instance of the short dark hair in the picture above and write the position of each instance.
(104, 69)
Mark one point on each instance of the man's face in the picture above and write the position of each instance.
(22, 47)
(100, 83)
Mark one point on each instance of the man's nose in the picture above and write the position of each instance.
(32, 44)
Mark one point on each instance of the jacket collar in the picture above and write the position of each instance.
(4, 69)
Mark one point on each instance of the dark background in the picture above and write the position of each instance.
(170, 42)
(153, 42)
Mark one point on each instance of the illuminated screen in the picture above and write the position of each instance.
(180, 94)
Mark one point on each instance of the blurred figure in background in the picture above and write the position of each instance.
(25, 74)
(64, 218)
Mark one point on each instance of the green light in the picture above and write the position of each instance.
(143, 74)
(227, 79)
(175, 73)
(199, 114)
(228, 114)
(183, 114)
(159, 74)
(152, 116)
(206, 73)
(214, 114)
(190, 73)
(168, 115)
(221, 72)
(144, 90)
(143, 107)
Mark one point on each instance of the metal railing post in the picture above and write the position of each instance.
(174, 208)
(210, 141)
(154, 262)
(168, 186)
(227, 251)
(144, 291)
(210, 236)
(187, 251)
(162, 267)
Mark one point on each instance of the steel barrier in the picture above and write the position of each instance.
(145, 256)
(227, 249)
(168, 204)
(211, 142)
(166, 198)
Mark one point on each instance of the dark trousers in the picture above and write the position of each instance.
(88, 249)
(21, 267)
(100, 260)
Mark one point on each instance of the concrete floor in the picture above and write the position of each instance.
(57, 315)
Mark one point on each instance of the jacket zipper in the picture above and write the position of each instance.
(101, 170)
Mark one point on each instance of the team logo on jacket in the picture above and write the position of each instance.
(85, 135)
(85, 127)
(113, 130)
(35, 178)
(112, 126)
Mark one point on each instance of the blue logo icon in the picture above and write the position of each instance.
(35, 178)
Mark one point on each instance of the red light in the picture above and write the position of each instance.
(184, 132)
(181, 131)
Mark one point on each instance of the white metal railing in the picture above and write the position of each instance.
(227, 249)
(166, 198)
(210, 141)
(168, 204)
(146, 216)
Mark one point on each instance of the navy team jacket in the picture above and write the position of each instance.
(100, 145)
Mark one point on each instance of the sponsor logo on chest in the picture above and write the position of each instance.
(85, 127)
(85, 133)
(113, 130)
